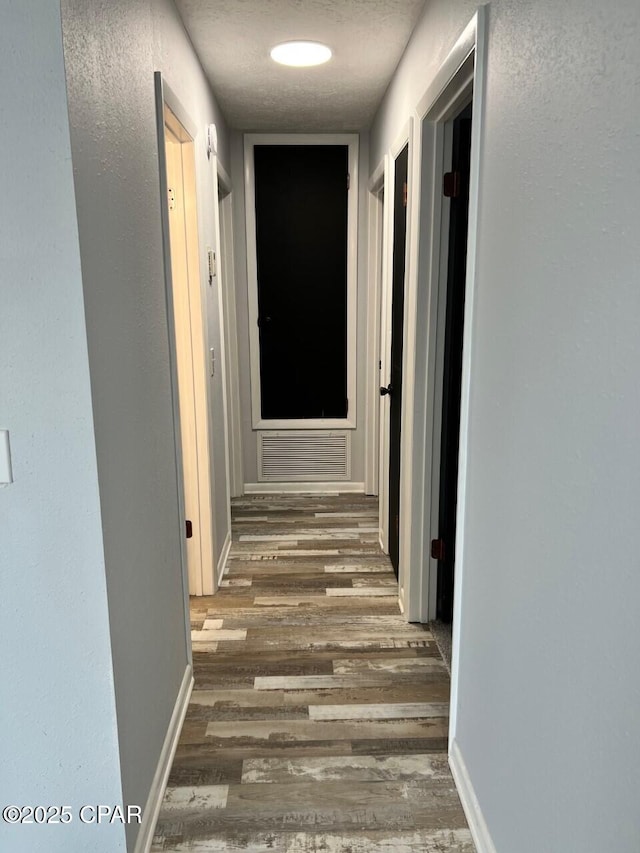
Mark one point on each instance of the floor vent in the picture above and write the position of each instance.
(304, 455)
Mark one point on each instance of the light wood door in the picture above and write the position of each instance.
(190, 356)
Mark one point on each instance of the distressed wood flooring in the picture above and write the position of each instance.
(318, 722)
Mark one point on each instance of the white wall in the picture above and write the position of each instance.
(249, 441)
(111, 52)
(548, 693)
(58, 715)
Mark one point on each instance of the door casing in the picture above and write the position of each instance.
(226, 271)
(461, 75)
(224, 302)
(404, 138)
(376, 247)
(199, 578)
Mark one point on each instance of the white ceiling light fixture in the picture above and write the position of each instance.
(301, 54)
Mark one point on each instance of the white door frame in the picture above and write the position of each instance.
(161, 93)
(207, 583)
(217, 171)
(226, 271)
(383, 412)
(164, 96)
(463, 72)
(352, 141)
(404, 138)
(373, 366)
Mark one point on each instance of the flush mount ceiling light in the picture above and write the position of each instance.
(301, 54)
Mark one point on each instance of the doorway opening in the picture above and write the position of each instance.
(456, 189)
(188, 344)
(393, 178)
(394, 389)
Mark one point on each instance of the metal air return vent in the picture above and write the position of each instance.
(293, 456)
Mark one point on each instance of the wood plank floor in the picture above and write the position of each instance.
(318, 722)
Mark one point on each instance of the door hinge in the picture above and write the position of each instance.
(189, 529)
(405, 194)
(451, 184)
(348, 181)
(437, 549)
(172, 199)
(347, 406)
(211, 261)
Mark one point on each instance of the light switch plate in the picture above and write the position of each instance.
(6, 473)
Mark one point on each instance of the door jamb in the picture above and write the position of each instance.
(425, 298)
(226, 263)
(376, 259)
(216, 172)
(405, 137)
(385, 288)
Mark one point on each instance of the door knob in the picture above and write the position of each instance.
(388, 390)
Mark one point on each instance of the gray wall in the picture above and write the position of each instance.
(57, 711)
(547, 706)
(249, 441)
(111, 52)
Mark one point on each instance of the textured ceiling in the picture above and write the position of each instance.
(233, 39)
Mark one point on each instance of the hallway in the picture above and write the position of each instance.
(318, 720)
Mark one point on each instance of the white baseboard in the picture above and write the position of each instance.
(224, 556)
(302, 488)
(477, 824)
(161, 776)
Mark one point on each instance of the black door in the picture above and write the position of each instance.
(301, 244)
(397, 314)
(457, 187)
